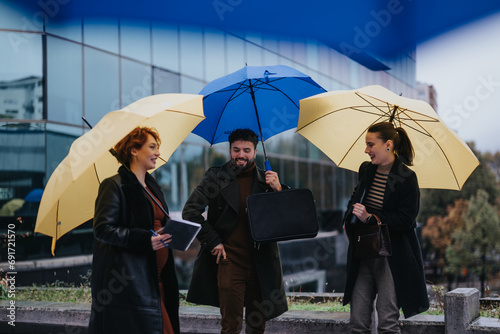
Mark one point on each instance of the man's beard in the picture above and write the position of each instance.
(242, 168)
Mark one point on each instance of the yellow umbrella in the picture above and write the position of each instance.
(336, 123)
(69, 196)
(10, 208)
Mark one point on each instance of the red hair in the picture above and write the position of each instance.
(135, 139)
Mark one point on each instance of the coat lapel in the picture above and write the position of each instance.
(259, 181)
(229, 186)
(138, 202)
(391, 181)
(365, 181)
(228, 192)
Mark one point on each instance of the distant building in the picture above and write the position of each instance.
(22, 98)
(428, 94)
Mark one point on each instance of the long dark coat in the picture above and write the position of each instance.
(399, 212)
(125, 290)
(219, 191)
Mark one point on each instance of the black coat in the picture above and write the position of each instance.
(125, 289)
(219, 191)
(399, 212)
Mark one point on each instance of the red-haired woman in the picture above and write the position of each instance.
(134, 285)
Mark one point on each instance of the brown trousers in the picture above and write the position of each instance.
(239, 287)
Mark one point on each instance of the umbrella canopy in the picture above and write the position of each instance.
(69, 196)
(34, 195)
(10, 207)
(336, 122)
(264, 99)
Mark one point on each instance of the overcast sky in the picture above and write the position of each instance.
(464, 67)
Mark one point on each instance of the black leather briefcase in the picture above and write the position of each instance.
(282, 215)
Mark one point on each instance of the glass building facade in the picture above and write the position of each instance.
(53, 73)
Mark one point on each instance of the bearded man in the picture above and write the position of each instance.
(232, 271)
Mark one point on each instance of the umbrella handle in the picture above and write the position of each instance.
(267, 163)
(353, 217)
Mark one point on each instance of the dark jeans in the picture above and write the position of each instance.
(238, 288)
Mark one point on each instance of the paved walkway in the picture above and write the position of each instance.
(46, 317)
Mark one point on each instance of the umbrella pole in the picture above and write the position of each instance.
(393, 113)
(267, 163)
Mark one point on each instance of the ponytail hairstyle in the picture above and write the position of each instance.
(402, 144)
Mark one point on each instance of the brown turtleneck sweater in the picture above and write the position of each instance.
(239, 244)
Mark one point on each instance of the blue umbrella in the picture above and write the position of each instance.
(34, 195)
(264, 99)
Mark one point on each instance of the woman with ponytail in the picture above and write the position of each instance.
(387, 189)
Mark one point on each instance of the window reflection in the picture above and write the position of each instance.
(191, 42)
(317, 182)
(58, 145)
(193, 160)
(102, 84)
(22, 99)
(270, 58)
(191, 86)
(300, 52)
(288, 173)
(215, 57)
(135, 40)
(303, 147)
(312, 54)
(329, 197)
(19, 17)
(64, 81)
(69, 29)
(166, 46)
(101, 33)
(218, 156)
(303, 173)
(235, 53)
(22, 167)
(168, 177)
(254, 55)
(136, 82)
(21, 82)
(165, 81)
